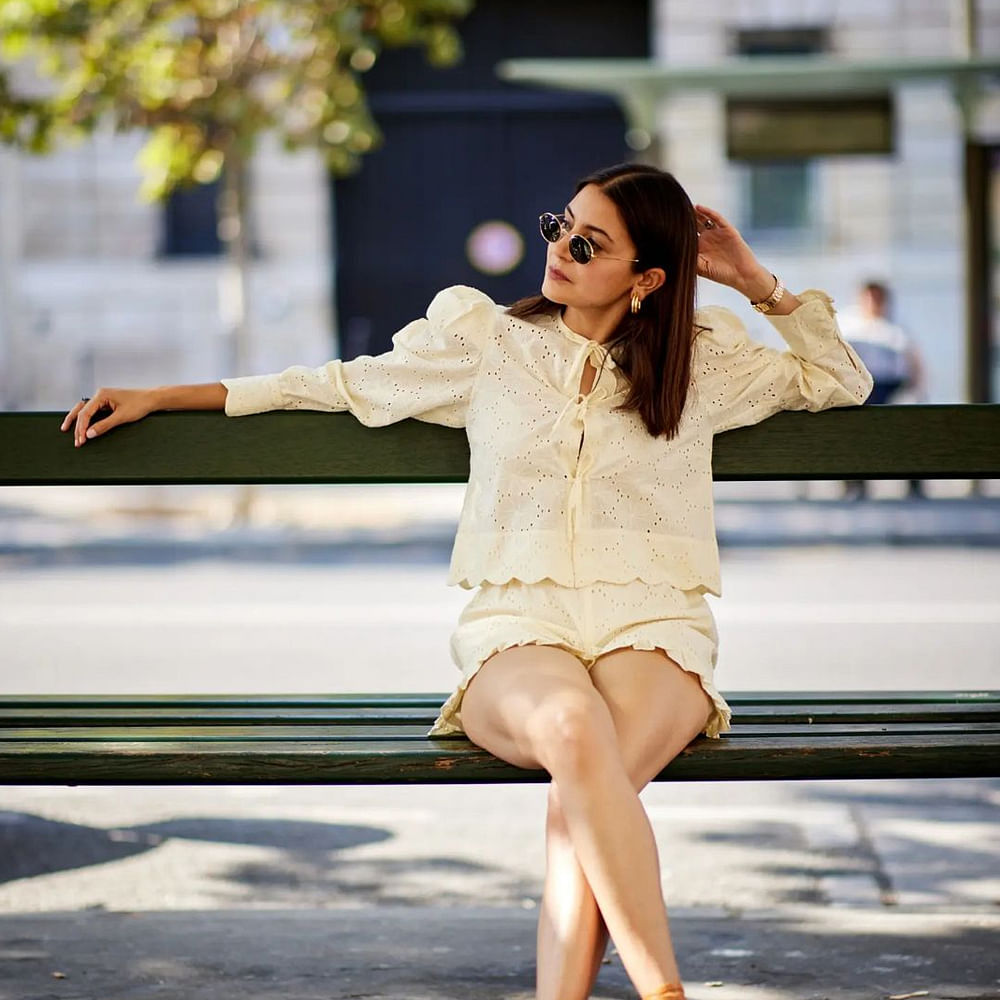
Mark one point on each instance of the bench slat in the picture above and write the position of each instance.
(430, 699)
(337, 734)
(816, 713)
(959, 441)
(457, 761)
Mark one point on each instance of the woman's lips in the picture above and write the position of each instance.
(554, 272)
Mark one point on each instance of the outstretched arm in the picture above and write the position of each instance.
(128, 405)
(427, 375)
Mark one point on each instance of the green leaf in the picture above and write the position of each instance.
(207, 77)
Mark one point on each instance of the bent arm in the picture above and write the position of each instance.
(744, 382)
(761, 286)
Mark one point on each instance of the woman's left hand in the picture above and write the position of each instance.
(725, 257)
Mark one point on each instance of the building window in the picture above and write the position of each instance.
(787, 41)
(190, 226)
(779, 193)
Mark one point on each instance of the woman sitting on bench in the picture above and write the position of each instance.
(587, 532)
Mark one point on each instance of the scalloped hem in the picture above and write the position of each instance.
(448, 722)
(593, 556)
(498, 579)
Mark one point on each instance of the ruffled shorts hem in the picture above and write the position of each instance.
(448, 722)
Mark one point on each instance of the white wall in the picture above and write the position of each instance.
(87, 299)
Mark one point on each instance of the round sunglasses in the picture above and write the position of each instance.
(553, 227)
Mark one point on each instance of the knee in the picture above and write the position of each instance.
(572, 736)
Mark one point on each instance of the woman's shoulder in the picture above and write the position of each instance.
(717, 327)
(463, 314)
(460, 299)
(462, 307)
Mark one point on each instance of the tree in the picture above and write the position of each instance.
(206, 78)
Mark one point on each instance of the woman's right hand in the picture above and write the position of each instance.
(126, 405)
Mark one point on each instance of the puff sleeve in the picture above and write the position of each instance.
(743, 382)
(428, 374)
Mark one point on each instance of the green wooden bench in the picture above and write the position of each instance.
(371, 739)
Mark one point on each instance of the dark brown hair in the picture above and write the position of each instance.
(653, 347)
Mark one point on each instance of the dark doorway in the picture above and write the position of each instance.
(469, 162)
(989, 291)
(982, 293)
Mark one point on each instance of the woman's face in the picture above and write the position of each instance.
(601, 283)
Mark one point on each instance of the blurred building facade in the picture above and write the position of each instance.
(97, 287)
(834, 221)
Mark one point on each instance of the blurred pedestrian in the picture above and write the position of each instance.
(891, 356)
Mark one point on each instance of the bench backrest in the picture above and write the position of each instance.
(869, 442)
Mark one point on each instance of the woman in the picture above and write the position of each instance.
(588, 648)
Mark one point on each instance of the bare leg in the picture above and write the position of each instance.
(657, 709)
(536, 706)
(572, 935)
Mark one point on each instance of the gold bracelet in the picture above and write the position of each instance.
(766, 305)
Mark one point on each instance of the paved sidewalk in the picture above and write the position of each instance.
(777, 891)
(800, 953)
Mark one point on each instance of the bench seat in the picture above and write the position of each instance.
(381, 739)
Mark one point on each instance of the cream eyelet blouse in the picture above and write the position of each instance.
(561, 485)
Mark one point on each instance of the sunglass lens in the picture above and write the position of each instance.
(580, 249)
(550, 227)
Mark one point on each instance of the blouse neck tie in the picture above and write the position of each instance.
(576, 406)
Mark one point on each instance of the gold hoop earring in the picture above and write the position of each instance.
(636, 303)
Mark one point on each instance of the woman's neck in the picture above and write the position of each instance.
(594, 324)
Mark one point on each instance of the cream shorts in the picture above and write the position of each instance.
(587, 621)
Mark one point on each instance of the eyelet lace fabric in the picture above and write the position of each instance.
(563, 486)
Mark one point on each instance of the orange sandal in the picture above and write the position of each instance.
(670, 991)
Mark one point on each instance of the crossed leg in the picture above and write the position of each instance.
(601, 736)
(657, 709)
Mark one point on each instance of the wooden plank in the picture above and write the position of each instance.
(207, 448)
(430, 699)
(880, 442)
(871, 442)
(820, 713)
(457, 761)
(401, 733)
(197, 701)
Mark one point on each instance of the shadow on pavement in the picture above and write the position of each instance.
(32, 845)
(304, 864)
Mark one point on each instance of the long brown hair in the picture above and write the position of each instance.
(653, 347)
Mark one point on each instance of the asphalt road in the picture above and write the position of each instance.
(806, 618)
